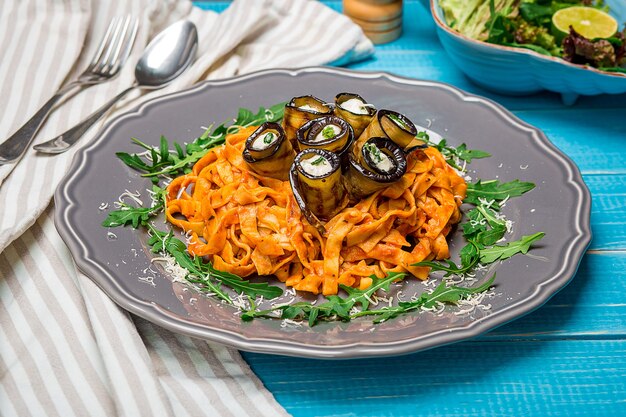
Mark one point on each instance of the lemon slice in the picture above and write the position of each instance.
(589, 22)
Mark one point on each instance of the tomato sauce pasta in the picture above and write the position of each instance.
(246, 223)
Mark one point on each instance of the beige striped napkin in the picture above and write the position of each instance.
(65, 348)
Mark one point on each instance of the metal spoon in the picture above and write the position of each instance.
(165, 58)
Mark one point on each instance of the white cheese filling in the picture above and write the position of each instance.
(308, 107)
(380, 159)
(264, 140)
(316, 166)
(354, 105)
(384, 164)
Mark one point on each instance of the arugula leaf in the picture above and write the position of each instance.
(499, 253)
(488, 236)
(442, 294)
(136, 216)
(453, 155)
(468, 155)
(500, 26)
(536, 13)
(129, 215)
(469, 259)
(482, 230)
(336, 306)
(473, 253)
(494, 190)
(204, 274)
(166, 161)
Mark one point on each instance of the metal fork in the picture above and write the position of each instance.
(111, 54)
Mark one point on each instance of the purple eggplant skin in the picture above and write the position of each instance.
(294, 116)
(358, 121)
(384, 125)
(319, 197)
(364, 177)
(273, 161)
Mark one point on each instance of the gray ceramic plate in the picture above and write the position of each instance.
(559, 206)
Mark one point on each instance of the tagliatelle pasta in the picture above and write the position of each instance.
(246, 224)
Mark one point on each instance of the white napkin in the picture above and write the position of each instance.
(69, 349)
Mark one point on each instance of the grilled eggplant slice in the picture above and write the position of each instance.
(389, 124)
(354, 110)
(300, 110)
(379, 163)
(316, 184)
(268, 152)
(330, 133)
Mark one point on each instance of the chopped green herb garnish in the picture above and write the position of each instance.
(269, 138)
(328, 132)
(319, 161)
(397, 120)
(374, 152)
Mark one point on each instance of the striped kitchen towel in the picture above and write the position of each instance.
(65, 348)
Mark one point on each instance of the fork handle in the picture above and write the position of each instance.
(62, 142)
(14, 147)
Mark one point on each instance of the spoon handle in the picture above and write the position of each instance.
(15, 146)
(63, 142)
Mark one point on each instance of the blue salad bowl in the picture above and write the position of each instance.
(517, 71)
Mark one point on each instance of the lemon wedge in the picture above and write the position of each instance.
(587, 21)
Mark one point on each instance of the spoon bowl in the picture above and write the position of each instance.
(168, 55)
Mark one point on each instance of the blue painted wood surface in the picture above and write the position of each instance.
(567, 358)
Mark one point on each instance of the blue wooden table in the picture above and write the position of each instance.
(567, 358)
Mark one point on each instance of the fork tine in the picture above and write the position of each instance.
(103, 44)
(130, 42)
(124, 45)
(111, 45)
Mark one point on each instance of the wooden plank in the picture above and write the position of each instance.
(595, 139)
(592, 306)
(538, 378)
(608, 210)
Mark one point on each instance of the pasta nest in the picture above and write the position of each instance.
(249, 224)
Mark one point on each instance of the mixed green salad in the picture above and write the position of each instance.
(578, 31)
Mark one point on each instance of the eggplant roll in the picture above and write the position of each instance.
(316, 184)
(355, 110)
(389, 124)
(268, 152)
(300, 110)
(330, 133)
(379, 163)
